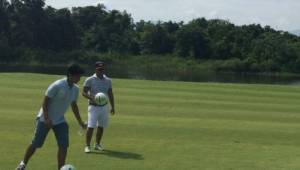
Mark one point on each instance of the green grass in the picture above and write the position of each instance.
(163, 125)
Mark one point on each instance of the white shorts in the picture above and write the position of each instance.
(98, 116)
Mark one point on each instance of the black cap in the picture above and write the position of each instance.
(74, 69)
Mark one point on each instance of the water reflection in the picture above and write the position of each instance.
(157, 74)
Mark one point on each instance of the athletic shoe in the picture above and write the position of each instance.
(99, 147)
(87, 149)
(21, 166)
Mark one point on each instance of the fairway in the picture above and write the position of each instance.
(163, 126)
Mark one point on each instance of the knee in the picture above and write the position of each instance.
(90, 129)
(36, 145)
(63, 149)
(32, 147)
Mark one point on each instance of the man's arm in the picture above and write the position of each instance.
(85, 93)
(47, 122)
(77, 114)
(111, 100)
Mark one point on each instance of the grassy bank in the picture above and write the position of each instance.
(164, 125)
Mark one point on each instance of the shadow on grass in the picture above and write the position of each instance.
(121, 155)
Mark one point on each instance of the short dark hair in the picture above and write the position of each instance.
(74, 69)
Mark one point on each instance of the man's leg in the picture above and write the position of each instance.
(39, 137)
(29, 152)
(61, 132)
(102, 123)
(99, 135)
(92, 123)
(88, 139)
(89, 135)
(61, 156)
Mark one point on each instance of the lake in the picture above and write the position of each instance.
(156, 74)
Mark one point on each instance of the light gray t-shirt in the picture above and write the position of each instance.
(98, 85)
(61, 96)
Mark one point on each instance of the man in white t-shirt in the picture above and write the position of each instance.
(98, 115)
(58, 97)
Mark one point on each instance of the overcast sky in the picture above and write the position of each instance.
(280, 14)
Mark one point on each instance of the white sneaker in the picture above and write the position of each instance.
(21, 166)
(99, 147)
(87, 149)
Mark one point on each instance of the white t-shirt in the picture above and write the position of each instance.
(61, 96)
(98, 85)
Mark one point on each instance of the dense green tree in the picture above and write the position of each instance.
(4, 17)
(31, 31)
(86, 18)
(192, 41)
(62, 33)
(5, 48)
(156, 38)
(29, 22)
(104, 31)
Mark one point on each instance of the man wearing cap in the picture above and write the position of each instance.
(58, 97)
(97, 115)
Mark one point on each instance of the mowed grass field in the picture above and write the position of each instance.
(163, 126)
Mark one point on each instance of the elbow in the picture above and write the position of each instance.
(74, 105)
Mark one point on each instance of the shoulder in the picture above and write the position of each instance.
(88, 81)
(89, 78)
(56, 83)
(76, 87)
(107, 78)
(54, 87)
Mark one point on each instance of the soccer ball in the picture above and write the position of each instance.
(67, 167)
(101, 99)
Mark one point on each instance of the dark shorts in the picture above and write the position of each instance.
(61, 132)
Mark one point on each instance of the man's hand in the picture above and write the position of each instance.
(92, 99)
(112, 111)
(83, 125)
(87, 95)
(48, 123)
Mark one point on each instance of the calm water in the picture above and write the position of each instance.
(134, 73)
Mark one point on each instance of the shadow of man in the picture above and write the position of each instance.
(121, 155)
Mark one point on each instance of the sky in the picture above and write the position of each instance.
(279, 14)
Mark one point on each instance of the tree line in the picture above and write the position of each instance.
(31, 31)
